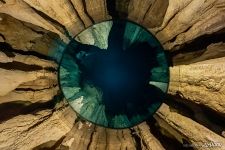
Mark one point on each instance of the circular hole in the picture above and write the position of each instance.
(114, 74)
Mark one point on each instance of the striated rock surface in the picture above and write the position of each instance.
(151, 13)
(202, 83)
(32, 96)
(212, 51)
(17, 34)
(10, 79)
(187, 131)
(28, 131)
(28, 60)
(27, 14)
(97, 10)
(39, 84)
(173, 8)
(197, 18)
(67, 17)
(149, 141)
(20, 36)
(81, 8)
(87, 136)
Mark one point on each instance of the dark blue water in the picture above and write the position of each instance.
(121, 73)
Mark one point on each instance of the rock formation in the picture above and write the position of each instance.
(34, 114)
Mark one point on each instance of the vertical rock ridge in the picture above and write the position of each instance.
(146, 136)
(67, 16)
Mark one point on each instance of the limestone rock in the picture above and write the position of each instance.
(12, 29)
(81, 8)
(29, 60)
(10, 79)
(67, 17)
(148, 139)
(97, 9)
(30, 95)
(184, 129)
(27, 14)
(24, 36)
(87, 136)
(39, 84)
(174, 7)
(29, 131)
(196, 19)
(151, 13)
(212, 51)
(202, 83)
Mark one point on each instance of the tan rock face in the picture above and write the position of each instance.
(33, 36)
(87, 136)
(81, 8)
(97, 9)
(68, 17)
(173, 8)
(28, 60)
(29, 131)
(197, 18)
(22, 36)
(185, 129)
(27, 14)
(30, 96)
(40, 84)
(202, 83)
(10, 80)
(9, 24)
(20, 69)
(212, 51)
(151, 13)
(148, 139)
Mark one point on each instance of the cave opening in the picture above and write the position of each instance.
(111, 86)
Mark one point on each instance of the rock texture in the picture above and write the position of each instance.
(212, 51)
(29, 131)
(33, 35)
(87, 136)
(97, 10)
(17, 69)
(68, 16)
(148, 140)
(29, 15)
(202, 83)
(187, 131)
(197, 18)
(151, 13)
